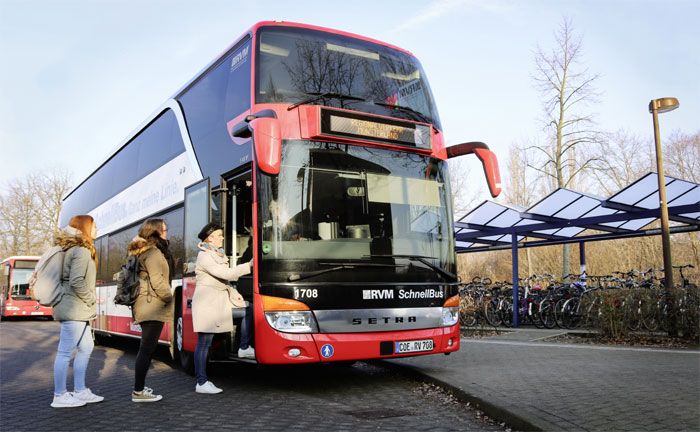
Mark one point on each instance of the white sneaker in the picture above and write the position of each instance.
(66, 400)
(88, 396)
(145, 395)
(248, 353)
(207, 388)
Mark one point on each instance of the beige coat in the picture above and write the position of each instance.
(214, 297)
(155, 299)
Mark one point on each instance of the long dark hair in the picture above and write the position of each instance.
(151, 230)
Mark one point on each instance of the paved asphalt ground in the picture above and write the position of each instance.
(316, 398)
(517, 377)
(539, 385)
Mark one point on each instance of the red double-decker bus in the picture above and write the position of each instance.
(322, 154)
(15, 298)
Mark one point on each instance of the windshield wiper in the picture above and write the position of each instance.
(421, 259)
(337, 266)
(328, 95)
(421, 117)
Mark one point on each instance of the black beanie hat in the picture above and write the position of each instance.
(208, 229)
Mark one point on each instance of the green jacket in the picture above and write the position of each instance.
(79, 272)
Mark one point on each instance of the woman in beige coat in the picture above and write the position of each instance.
(214, 300)
(154, 304)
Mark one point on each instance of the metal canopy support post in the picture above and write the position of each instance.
(582, 256)
(516, 304)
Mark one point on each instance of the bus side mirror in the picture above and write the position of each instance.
(267, 139)
(488, 160)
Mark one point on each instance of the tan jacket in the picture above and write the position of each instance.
(155, 299)
(214, 297)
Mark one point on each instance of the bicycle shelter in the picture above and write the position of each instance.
(567, 216)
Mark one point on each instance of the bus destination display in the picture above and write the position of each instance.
(351, 125)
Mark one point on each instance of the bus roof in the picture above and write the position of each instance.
(252, 30)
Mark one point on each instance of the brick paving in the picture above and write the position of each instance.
(362, 397)
(548, 386)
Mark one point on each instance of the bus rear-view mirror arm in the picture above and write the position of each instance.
(488, 160)
(265, 130)
(243, 128)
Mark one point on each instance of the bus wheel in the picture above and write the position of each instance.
(98, 338)
(185, 359)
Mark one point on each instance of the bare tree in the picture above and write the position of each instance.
(520, 189)
(566, 89)
(682, 155)
(29, 209)
(18, 219)
(464, 193)
(622, 159)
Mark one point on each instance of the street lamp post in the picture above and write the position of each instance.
(657, 106)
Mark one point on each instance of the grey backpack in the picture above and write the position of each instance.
(45, 282)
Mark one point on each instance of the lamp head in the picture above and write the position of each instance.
(663, 105)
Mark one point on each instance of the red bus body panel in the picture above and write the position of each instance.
(25, 308)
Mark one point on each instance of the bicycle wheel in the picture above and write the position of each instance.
(570, 313)
(491, 313)
(590, 315)
(467, 311)
(534, 313)
(558, 315)
(547, 314)
(634, 313)
(505, 311)
(651, 315)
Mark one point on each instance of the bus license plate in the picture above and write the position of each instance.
(413, 346)
(37, 313)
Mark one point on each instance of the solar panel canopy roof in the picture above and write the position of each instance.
(564, 215)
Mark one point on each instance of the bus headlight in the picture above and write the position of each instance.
(292, 322)
(450, 316)
(13, 308)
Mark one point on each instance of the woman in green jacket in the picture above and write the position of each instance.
(75, 310)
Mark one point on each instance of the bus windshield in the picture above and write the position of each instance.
(334, 204)
(19, 290)
(294, 64)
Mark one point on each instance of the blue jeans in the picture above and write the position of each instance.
(204, 343)
(200, 356)
(246, 325)
(76, 337)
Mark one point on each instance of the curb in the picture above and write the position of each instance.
(493, 410)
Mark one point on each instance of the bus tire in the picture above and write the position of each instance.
(98, 338)
(182, 358)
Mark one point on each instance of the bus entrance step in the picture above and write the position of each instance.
(232, 359)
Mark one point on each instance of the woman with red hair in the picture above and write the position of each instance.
(75, 310)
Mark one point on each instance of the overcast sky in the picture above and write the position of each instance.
(78, 76)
